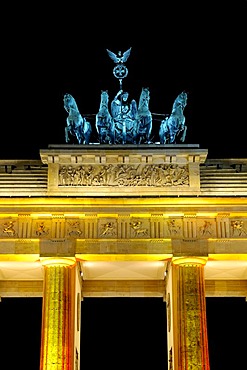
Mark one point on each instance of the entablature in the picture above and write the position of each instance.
(124, 233)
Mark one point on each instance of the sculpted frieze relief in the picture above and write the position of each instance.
(41, 229)
(74, 228)
(206, 229)
(108, 228)
(138, 228)
(123, 227)
(238, 228)
(9, 228)
(120, 175)
(174, 227)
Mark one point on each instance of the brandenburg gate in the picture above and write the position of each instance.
(123, 221)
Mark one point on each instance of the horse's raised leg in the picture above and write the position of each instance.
(124, 132)
(164, 131)
(184, 134)
(79, 137)
(112, 136)
(149, 131)
(66, 135)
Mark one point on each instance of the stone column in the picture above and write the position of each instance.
(187, 326)
(58, 315)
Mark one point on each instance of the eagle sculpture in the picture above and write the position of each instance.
(120, 58)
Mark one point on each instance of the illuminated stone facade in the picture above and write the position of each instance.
(87, 213)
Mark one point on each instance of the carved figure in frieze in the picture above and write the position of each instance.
(173, 227)
(63, 175)
(66, 176)
(108, 229)
(8, 228)
(78, 176)
(206, 228)
(124, 175)
(74, 229)
(70, 176)
(238, 228)
(89, 175)
(138, 229)
(41, 229)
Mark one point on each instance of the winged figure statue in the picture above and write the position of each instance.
(121, 57)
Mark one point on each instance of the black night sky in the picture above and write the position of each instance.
(193, 46)
(123, 333)
(197, 47)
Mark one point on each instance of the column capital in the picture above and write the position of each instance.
(189, 261)
(61, 261)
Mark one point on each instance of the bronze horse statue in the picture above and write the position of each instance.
(78, 128)
(104, 122)
(172, 128)
(144, 118)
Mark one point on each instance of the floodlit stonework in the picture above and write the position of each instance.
(124, 221)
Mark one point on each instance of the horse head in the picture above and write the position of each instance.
(104, 122)
(104, 98)
(144, 99)
(69, 102)
(181, 100)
